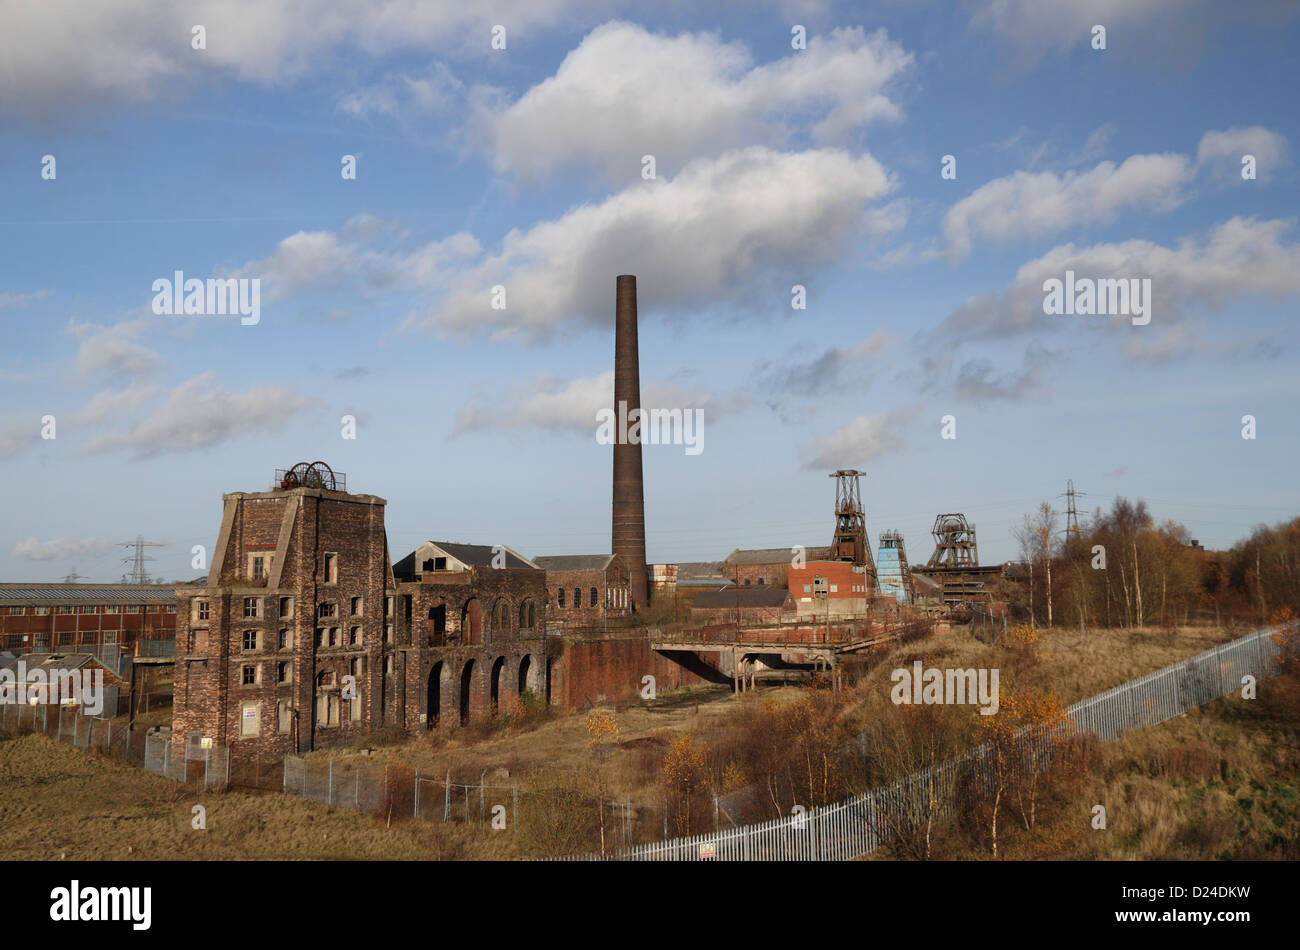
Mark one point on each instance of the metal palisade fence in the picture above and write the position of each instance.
(856, 827)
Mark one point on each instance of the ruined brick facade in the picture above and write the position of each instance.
(304, 635)
(586, 590)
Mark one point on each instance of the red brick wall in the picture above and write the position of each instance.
(772, 575)
(599, 671)
(615, 579)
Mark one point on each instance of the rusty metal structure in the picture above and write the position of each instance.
(629, 490)
(850, 542)
(311, 475)
(954, 543)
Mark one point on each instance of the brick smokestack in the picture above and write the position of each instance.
(629, 490)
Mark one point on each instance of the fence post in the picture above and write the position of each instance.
(416, 809)
(446, 802)
(329, 791)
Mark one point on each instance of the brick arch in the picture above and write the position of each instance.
(496, 673)
(526, 675)
(465, 693)
(437, 693)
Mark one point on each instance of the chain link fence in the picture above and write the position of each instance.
(856, 827)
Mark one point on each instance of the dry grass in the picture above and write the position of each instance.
(59, 801)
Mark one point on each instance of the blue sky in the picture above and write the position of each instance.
(522, 167)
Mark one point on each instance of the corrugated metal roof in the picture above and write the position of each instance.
(88, 593)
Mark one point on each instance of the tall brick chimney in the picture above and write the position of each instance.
(629, 490)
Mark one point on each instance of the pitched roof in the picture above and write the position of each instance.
(574, 562)
(742, 597)
(773, 555)
(689, 569)
(89, 593)
(471, 555)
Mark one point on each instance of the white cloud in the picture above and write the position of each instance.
(198, 414)
(625, 92)
(741, 227)
(58, 549)
(1095, 147)
(111, 403)
(828, 371)
(863, 439)
(1241, 257)
(1028, 204)
(1221, 152)
(403, 95)
(21, 300)
(314, 261)
(549, 402)
(113, 349)
(1032, 29)
(122, 50)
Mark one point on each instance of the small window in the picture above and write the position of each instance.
(249, 677)
(807, 588)
(110, 637)
(327, 610)
(592, 600)
(171, 608)
(65, 610)
(286, 607)
(331, 568)
(284, 639)
(428, 565)
(559, 597)
(357, 605)
(439, 563)
(762, 581)
(250, 639)
(65, 639)
(114, 608)
(746, 581)
(577, 597)
(203, 609)
(17, 611)
(43, 640)
(284, 672)
(320, 637)
(251, 608)
(357, 666)
(354, 636)
(152, 608)
(87, 610)
(42, 611)
(334, 636)
(259, 567)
